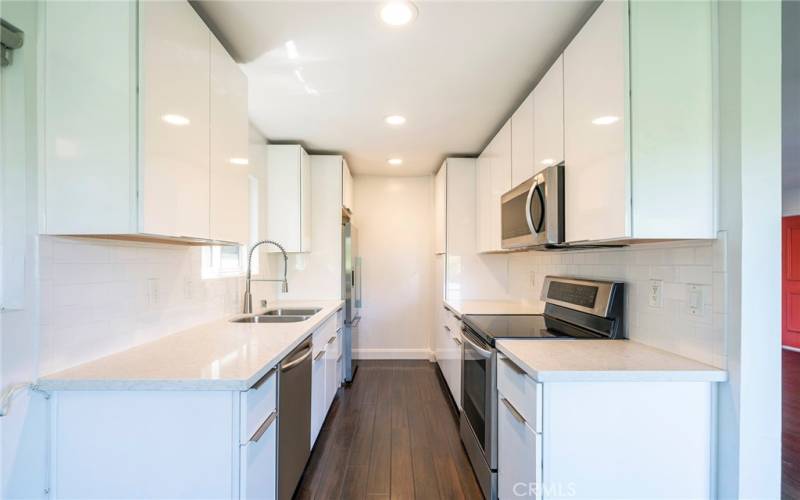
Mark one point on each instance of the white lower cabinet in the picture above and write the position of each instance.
(325, 373)
(448, 353)
(259, 466)
(519, 461)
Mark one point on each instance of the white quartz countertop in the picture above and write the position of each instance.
(604, 360)
(461, 307)
(215, 356)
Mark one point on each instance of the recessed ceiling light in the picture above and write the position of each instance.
(178, 120)
(395, 161)
(395, 120)
(605, 120)
(398, 13)
(548, 162)
(239, 161)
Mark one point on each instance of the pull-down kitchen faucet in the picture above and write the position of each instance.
(248, 298)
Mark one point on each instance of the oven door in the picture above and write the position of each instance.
(479, 393)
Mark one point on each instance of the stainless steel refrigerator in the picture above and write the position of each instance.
(351, 293)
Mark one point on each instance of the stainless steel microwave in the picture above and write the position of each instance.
(532, 214)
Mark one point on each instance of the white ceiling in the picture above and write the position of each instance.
(455, 73)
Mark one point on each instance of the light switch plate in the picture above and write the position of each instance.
(654, 293)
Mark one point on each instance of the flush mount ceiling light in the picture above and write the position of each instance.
(398, 13)
(547, 162)
(178, 120)
(395, 120)
(239, 161)
(605, 120)
(395, 162)
(291, 50)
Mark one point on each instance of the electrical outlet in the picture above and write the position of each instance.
(151, 294)
(654, 295)
(533, 279)
(695, 298)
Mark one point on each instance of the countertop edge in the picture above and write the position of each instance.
(48, 384)
(710, 375)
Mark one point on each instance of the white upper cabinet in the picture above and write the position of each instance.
(493, 179)
(440, 209)
(174, 77)
(522, 141)
(134, 128)
(289, 197)
(347, 186)
(230, 171)
(638, 123)
(548, 118)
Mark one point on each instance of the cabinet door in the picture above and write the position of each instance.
(440, 209)
(305, 201)
(454, 359)
(174, 102)
(483, 191)
(289, 197)
(548, 117)
(501, 182)
(519, 452)
(318, 407)
(230, 188)
(522, 140)
(258, 466)
(347, 186)
(331, 377)
(595, 121)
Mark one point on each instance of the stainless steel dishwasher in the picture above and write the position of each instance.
(294, 418)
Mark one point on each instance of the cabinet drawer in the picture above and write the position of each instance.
(333, 345)
(524, 393)
(257, 478)
(519, 455)
(257, 404)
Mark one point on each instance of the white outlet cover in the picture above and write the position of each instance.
(655, 296)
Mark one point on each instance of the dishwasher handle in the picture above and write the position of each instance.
(303, 355)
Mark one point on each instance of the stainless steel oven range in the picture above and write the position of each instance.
(574, 309)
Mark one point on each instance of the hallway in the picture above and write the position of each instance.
(390, 435)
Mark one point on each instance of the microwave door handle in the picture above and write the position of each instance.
(528, 207)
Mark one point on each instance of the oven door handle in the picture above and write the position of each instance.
(483, 352)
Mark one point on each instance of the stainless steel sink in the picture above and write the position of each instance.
(261, 318)
(292, 312)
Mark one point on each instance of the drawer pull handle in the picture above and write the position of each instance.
(339, 358)
(330, 340)
(447, 328)
(338, 330)
(319, 355)
(264, 426)
(263, 379)
(514, 411)
(513, 365)
(457, 340)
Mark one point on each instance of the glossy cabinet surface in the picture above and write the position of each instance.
(131, 146)
(347, 186)
(259, 467)
(493, 179)
(519, 457)
(174, 86)
(325, 372)
(596, 119)
(548, 117)
(440, 209)
(522, 141)
(229, 161)
(289, 197)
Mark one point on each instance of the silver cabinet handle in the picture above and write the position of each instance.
(263, 379)
(319, 354)
(264, 426)
(447, 328)
(512, 365)
(339, 358)
(457, 340)
(339, 330)
(330, 340)
(514, 411)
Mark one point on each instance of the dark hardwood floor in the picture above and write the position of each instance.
(790, 454)
(391, 434)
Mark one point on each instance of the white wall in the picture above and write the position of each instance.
(395, 230)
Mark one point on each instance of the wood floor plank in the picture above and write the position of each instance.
(391, 434)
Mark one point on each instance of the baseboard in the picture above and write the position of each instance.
(392, 354)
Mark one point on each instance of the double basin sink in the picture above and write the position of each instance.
(282, 315)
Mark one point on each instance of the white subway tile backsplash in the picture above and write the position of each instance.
(678, 265)
(97, 298)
